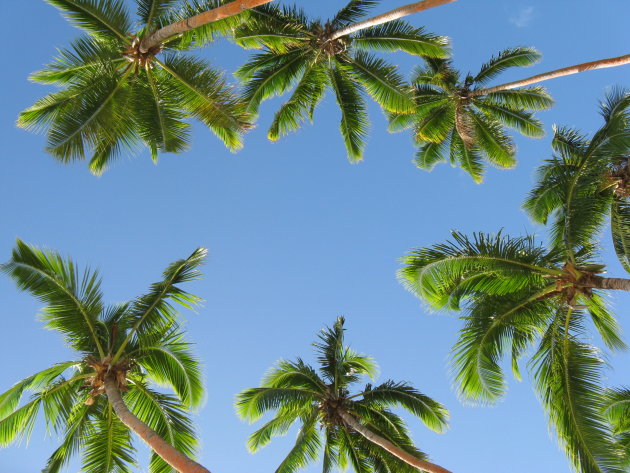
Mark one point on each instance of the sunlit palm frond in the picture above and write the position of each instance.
(104, 18)
(516, 57)
(401, 36)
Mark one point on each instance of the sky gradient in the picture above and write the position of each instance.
(297, 235)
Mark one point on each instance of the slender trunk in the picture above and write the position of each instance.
(390, 447)
(389, 16)
(224, 11)
(169, 454)
(565, 71)
(618, 284)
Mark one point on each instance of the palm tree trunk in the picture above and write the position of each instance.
(390, 447)
(169, 454)
(618, 284)
(224, 11)
(565, 71)
(389, 16)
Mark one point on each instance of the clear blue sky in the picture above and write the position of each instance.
(297, 235)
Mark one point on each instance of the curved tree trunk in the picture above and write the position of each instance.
(390, 447)
(565, 71)
(224, 11)
(169, 454)
(390, 16)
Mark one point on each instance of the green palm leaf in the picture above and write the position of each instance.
(354, 119)
(107, 445)
(399, 35)
(352, 12)
(568, 377)
(382, 82)
(516, 57)
(150, 10)
(102, 18)
(203, 94)
(73, 303)
(306, 448)
(153, 311)
(620, 227)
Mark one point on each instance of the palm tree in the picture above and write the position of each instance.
(516, 294)
(462, 121)
(451, 121)
(311, 56)
(617, 411)
(358, 429)
(587, 180)
(120, 90)
(95, 400)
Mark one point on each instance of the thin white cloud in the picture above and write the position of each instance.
(523, 18)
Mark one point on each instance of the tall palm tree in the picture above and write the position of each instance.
(120, 89)
(94, 401)
(312, 56)
(516, 294)
(462, 121)
(357, 428)
(588, 179)
(452, 122)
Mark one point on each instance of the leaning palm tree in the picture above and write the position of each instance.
(96, 399)
(588, 179)
(515, 295)
(121, 90)
(453, 122)
(312, 56)
(463, 120)
(352, 428)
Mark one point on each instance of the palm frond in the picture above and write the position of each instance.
(77, 428)
(252, 404)
(493, 141)
(171, 362)
(568, 375)
(202, 93)
(306, 448)
(605, 322)
(307, 94)
(528, 98)
(104, 18)
(294, 374)
(430, 154)
(399, 35)
(515, 57)
(522, 121)
(352, 12)
(354, 119)
(382, 82)
(469, 159)
(149, 10)
(107, 447)
(153, 312)
(73, 301)
(394, 394)
(84, 56)
(164, 414)
(620, 227)
(490, 264)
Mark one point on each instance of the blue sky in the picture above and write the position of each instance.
(297, 235)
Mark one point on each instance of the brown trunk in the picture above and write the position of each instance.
(390, 16)
(565, 71)
(224, 11)
(390, 447)
(618, 284)
(169, 454)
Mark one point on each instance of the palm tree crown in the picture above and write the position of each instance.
(451, 122)
(323, 400)
(517, 294)
(305, 55)
(587, 180)
(132, 345)
(114, 96)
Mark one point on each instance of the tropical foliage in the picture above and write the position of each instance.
(454, 120)
(140, 343)
(300, 54)
(318, 401)
(114, 97)
(587, 180)
(517, 294)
